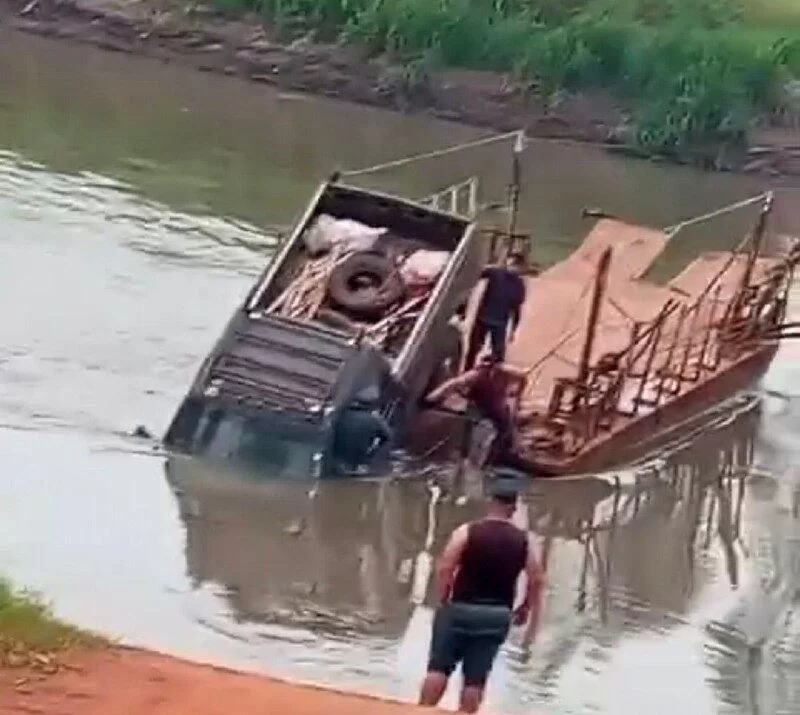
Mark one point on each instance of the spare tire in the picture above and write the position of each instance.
(365, 285)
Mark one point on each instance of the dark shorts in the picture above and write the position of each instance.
(504, 428)
(469, 634)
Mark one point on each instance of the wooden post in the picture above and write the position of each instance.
(736, 306)
(689, 343)
(655, 338)
(758, 239)
(600, 282)
(514, 188)
(642, 331)
(494, 255)
(630, 357)
(580, 606)
(788, 281)
(473, 197)
(712, 314)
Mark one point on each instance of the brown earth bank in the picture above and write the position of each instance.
(125, 681)
(194, 35)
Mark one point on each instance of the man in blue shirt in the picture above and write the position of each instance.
(361, 432)
(500, 306)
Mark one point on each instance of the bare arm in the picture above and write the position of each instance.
(451, 385)
(532, 603)
(447, 567)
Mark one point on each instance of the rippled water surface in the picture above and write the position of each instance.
(133, 201)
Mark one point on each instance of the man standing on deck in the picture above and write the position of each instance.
(477, 577)
(500, 306)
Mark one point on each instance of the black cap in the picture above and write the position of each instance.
(505, 485)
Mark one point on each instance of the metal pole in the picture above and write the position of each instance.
(737, 305)
(600, 282)
(667, 368)
(655, 339)
(712, 314)
(473, 197)
(681, 376)
(514, 187)
(758, 238)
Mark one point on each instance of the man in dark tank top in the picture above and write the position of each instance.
(477, 577)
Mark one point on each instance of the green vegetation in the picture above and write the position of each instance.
(695, 73)
(28, 629)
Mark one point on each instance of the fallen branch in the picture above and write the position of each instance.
(304, 296)
(397, 314)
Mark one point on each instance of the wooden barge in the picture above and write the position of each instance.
(340, 323)
(616, 360)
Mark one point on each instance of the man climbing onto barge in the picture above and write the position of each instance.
(499, 309)
(488, 388)
(477, 578)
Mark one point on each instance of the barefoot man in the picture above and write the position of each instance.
(477, 577)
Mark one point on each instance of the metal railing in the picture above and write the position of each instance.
(460, 199)
(683, 345)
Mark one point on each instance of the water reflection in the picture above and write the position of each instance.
(753, 644)
(625, 555)
(332, 558)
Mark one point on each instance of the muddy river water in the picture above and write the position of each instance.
(133, 201)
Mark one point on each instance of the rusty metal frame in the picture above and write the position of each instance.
(581, 409)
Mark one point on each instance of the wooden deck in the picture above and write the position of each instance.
(686, 357)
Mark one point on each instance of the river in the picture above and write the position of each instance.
(131, 200)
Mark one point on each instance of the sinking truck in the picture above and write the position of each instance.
(353, 315)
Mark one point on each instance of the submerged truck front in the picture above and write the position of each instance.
(276, 386)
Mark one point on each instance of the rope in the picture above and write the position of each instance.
(524, 141)
(672, 230)
(430, 154)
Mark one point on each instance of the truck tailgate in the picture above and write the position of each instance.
(275, 363)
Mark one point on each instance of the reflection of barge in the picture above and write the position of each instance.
(614, 359)
(347, 558)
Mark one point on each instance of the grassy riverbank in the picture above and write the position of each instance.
(28, 629)
(125, 681)
(693, 73)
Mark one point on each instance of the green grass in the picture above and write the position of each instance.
(693, 72)
(28, 626)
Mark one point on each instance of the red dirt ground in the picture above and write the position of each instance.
(123, 681)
